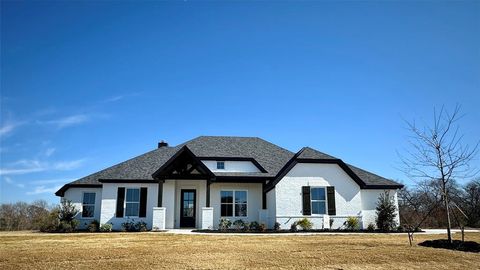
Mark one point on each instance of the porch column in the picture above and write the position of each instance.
(208, 193)
(158, 219)
(207, 218)
(160, 193)
(264, 196)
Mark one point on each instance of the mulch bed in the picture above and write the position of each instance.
(467, 246)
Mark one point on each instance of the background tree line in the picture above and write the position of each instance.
(422, 205)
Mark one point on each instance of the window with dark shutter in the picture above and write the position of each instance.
(306, 201)
(120, 200)
(331, 200)
(143, 202)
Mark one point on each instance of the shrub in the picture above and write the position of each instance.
(371, 227)
(262, 227)
(254, 226)
(93, 226)
(60, 219)
(129, 226)
(239, 224)
(224, 224)
(276, 227)
(141, 226)
(305, 224)
(294, 227)
(386, 212)
(107, 227)
(331, 222)
(352, 223)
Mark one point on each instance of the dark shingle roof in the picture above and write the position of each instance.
(269, 156)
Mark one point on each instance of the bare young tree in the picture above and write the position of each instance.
(437, 154)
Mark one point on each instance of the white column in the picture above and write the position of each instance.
(158, 223)
(207, 218)
(326, 222)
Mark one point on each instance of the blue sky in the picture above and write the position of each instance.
(85, 85)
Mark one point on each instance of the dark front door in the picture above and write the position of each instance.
(187, 207)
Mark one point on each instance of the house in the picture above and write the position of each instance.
(196, 183)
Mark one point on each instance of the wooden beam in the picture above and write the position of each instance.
(208, 192)
(160, 193)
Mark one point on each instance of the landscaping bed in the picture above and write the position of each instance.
(467, 246)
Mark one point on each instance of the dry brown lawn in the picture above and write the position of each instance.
(26, 250)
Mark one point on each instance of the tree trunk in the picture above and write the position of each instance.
(449, 225)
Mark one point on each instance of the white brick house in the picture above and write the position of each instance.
(196, 183)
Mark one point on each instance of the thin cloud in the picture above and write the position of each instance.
(49, 151)
(120, 97)
(68, 121)
(43, 189)
(53, 181)
(32, 166)
(9, 181)
(68, 165)
(9, 127)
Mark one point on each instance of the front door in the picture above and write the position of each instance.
(187, 207)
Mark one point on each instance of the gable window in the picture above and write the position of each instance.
(220, 165)
(318, 200)
(233, 203)
(88, 205)
(132, 202)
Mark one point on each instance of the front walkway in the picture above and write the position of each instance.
(425, 231)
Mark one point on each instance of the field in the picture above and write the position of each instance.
(27, 250)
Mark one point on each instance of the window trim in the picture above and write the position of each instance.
(221, 162)
(233, 203)
(125, 203)
(312, 200)
(83, 204)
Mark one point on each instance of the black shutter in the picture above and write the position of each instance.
(143, 202)
(307, 211)
(120, 200)
(331, 200)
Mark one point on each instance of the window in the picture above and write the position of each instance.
(220, 165)
(88, 205)
(233, 203)
(319, 200)
(132, 202)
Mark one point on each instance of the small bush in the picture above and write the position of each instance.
(254, 226)
(129, 226)
(352, 223)
(239, 224)
(107, 227)
(331, 222)
(305, 224)
(276, 227)
(224, 224)
(93, 226)
(141, 226)
(262, 227)
(294, 227)
(371, 227)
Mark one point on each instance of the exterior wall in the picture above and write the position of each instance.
(369, 203)
(232, 166)
(109, 204)
(75, 195)
(288, 192)
(254, 200)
